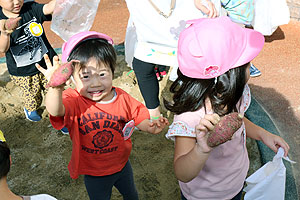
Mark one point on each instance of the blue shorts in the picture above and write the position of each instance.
(240, 11)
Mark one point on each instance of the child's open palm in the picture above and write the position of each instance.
(57, 75)
(50, 69)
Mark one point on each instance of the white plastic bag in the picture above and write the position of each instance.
(268, 182)
(130, 42)
(73, 16)
(269, 14)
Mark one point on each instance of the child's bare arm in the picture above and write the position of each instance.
(4, 41)
(49, 7)
(191, 153)
(155, 126)
(271, 140)
(7, 26)
(53, 100)
(189, 159)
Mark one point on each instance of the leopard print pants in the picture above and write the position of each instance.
(33, 88)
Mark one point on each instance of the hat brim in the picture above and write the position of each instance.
(255, 42)
(68, 46)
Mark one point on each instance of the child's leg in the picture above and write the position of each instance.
(44, 82)
(148, 83)
(126, 185)
(99, 187)
(32, 91)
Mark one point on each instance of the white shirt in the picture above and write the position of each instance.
(156, 36)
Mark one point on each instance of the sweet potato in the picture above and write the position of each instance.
(224, 130)
(61, 75)
(11, 24)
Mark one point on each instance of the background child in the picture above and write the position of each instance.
(241, 12)
(214, 56)
(26, 46)
(5, 163)
(95, 113)
(157, 25)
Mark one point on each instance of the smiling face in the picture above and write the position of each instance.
(94, 81)
(11, 8)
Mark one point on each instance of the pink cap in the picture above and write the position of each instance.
(211, 47)
(68, 46)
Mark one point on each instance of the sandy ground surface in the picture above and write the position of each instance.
(40, 154)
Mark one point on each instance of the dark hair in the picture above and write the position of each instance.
(100, 49)
(4, 159)
(190, 93)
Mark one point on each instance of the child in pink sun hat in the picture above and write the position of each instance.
(214, 56)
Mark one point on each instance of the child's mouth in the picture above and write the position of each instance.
(96, 93)
(17, 7)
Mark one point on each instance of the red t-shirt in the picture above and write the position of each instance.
(98, 146)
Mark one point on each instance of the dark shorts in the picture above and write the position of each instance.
(100, 187)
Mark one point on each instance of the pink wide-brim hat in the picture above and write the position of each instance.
(68, 46)
(211, 47)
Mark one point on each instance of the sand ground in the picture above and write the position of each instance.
(40, 154)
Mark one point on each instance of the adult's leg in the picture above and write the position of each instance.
(148, 84)
(125, 184)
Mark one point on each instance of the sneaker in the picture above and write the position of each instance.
(254, 71)
(32, 116)
(64, 130)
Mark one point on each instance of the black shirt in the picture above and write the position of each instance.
(28, 43)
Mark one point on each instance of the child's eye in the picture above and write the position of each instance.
(102, 74)
(84, 76)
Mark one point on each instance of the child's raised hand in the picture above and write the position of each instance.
(274, 142)
(57, 75)
(210, 9)
(50, 69)
(9, 25)
(206, 124)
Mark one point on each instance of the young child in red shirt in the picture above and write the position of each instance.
(95, 114)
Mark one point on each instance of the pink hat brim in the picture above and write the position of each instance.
(68, 46)
(211, 47)
(255, 43)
